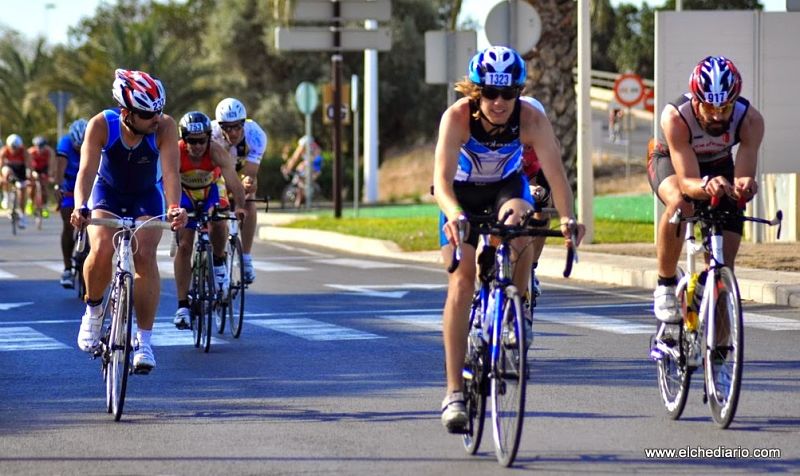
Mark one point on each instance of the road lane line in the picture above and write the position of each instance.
(311, 329)
(26, 338)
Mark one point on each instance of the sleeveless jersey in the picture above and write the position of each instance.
(67, 150)
(40, 158)
(14, 157)
(196, 175)
(128, 170)
(706, 147)
(250, 149)
(488, 158)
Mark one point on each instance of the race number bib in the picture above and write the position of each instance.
(498, 79)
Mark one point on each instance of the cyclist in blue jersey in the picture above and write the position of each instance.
(297, 163)
(126, 152)
(478, 166)
(68, 155)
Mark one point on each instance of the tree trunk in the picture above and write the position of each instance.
(550, 77)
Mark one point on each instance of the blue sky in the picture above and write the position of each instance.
(34, 17)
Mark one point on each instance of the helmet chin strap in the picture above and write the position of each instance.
(126, 120)
(496, 128)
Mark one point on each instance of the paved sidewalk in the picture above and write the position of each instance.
(759, 285)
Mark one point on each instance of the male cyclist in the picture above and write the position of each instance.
(204, 165)
(478, 166)
(124, 154)
(246, 142)
(694, 160)
(42, 160)
(297, 162)
(15, 163)
(68, 153)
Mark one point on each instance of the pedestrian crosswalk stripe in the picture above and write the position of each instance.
(311, 329)
(166, 268)
(56, 266)
(359, 263)
(770, 323)
(167, 335)
(271, 267)
(428, 321)
(26, 338)
(6, 275)
(596, 322)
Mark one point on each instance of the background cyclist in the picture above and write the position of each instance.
(205, 170)
(15, 163)
(246, 142)
(68, 159)
(297, 163)
(42, 163)
(478, 162)
(125, 152)
(694, 159)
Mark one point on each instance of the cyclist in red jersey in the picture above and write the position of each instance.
(15, 162)
(42, 162)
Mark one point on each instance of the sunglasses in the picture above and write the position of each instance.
(146, 114)
(716, 110)
(231, 126)
(506, 93)
(197, 141)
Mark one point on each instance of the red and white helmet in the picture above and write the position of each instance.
(138, 90)
(715, 81)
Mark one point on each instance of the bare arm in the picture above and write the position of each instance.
(170, 159)
(93, 143)
(453, 132)
(226, 164)
(683, 158)
(744, 172)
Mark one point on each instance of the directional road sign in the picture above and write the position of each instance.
(514, 23)
(322, 39)
(322, 10)
(447, 55)
(306, 97)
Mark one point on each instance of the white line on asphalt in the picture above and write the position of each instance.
(428, 321)
(167, 335)
(770, 323)
(6, 275)
(638, 297)
(311, 329)
(269, 267)
(25, 338)
(593, 321)
(299, 250)
(360, 263)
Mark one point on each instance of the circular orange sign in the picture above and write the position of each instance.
(628, 89)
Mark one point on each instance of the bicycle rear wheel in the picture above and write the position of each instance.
(474, 374)
(724, 358)
(120, 343)
(236, 293)
(508, 379)
(207, 301)
(674, 375)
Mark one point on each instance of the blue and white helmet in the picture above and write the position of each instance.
(77, 130)
(497, 66)
(230, 110)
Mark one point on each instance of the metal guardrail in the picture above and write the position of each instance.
(604, 79)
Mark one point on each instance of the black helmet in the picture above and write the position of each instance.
(194, 122)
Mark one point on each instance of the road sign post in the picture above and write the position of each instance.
(354, 110)
(306, 98)
(628, 91)
(60, 100)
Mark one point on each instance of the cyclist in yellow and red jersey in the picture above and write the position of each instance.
(246, 142)
(42, 162)
(205, 170)
(15, 162)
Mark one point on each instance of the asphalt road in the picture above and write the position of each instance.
(339, 371)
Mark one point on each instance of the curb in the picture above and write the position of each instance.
(759, 285)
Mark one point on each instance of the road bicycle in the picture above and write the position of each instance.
(232, 301)
(116, 345)
(37, 199)
(80, 250)
(14, 215)
(297, 186)
(495, 364)
(204, 297)
(714, 344)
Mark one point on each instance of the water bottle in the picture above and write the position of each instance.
(690, 322)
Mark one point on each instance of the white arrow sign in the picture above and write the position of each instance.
(5, 306)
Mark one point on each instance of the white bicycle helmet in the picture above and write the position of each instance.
(14, 141)
(138, 90)
(77, 130)
(230, 110)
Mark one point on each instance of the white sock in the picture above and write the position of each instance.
(143, 336)
(95, 311)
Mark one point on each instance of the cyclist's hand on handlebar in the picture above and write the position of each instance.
(79, 218)
(745, 188)
(456, 229)
(178, 217)
(249, 184)
(719, 187)
(241, 213)
(573, 231)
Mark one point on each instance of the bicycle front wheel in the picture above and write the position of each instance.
(508, 378)
(119, 343)
(236, 293)
(724, 357)
(674, 375)
(207, 301)
(196, 298)
(474, 374)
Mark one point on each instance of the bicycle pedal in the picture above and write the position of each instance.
(142, 370)
(458, 429)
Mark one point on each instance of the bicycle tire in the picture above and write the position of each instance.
(723, 369)
(288, 196)
(674, 375)
(475, 374)
(237, 288)
(120, 342)
(207, 300)
(195, 309)
(508, 378)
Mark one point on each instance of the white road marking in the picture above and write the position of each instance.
(167, 335)
(428, 321)
(270, 267)
(5, 306)
(770, 323)
(6, 275)
(596, 322)
(25, 338)
(311, 329)
(360, 263)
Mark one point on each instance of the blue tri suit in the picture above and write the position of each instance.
(128, 181)
(67, 151)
